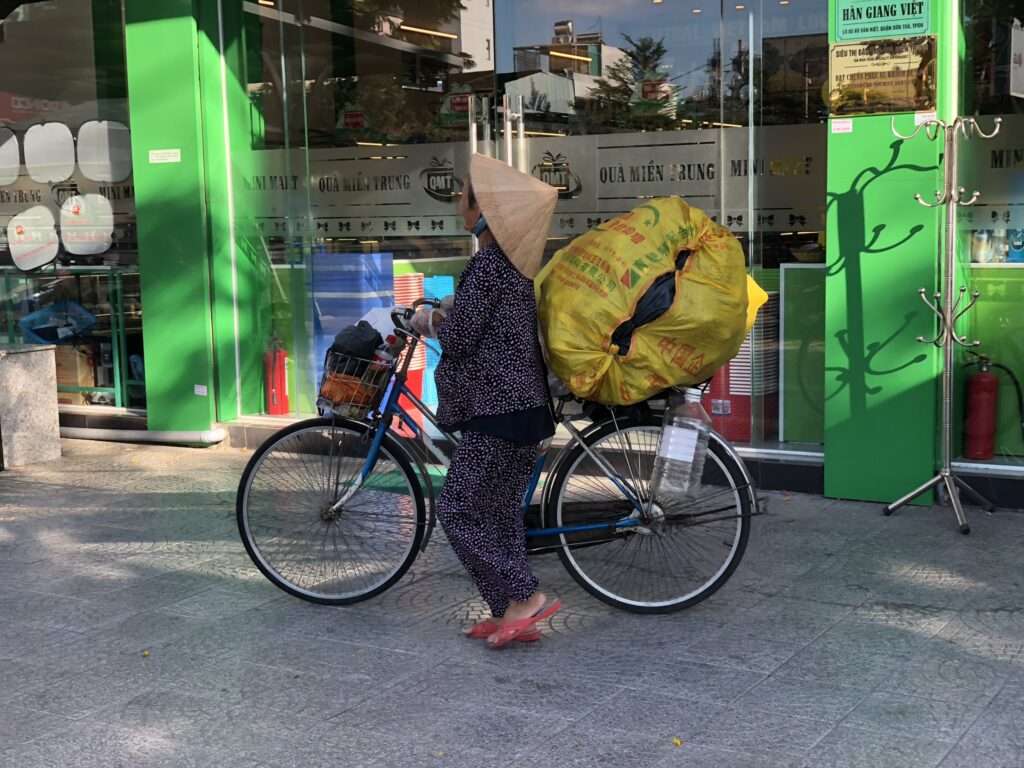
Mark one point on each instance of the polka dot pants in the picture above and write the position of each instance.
(481, 510)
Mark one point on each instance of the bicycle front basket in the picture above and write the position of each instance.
(353, 386)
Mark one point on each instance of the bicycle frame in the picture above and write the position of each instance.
(392, 408)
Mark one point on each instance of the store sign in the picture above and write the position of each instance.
(882, 77)
(871, 19)
(359, 192)
(439, 180)
(554, 169)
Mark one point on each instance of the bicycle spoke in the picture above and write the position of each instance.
(300, 533)
(674, 556)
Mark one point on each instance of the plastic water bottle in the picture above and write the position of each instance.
(682, 449)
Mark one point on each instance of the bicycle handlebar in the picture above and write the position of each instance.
(402, 315)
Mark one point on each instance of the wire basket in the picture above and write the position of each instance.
(353, 386)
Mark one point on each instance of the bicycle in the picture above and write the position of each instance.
(335, 509)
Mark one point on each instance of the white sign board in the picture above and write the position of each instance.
(164, 156)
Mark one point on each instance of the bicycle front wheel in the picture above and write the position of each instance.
(681, 554)
(315, 527)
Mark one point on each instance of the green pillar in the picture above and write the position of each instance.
(880, 383)
(240, 265)
(204, 270)
(162, 53)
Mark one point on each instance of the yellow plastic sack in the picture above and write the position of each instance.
(590, 287)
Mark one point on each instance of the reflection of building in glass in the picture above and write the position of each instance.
(381, 78)
(580, 58)
(794, 72)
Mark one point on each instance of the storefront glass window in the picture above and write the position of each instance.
(992, 231)
(359, 127)
(68, 253)
(721, 105)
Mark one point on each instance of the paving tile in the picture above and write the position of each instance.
(842, 640)
(656, 715)
(76, 694)
(16, 675)
(292, 696)
(914, 716)
(486, 685)
(581, 747)
(689, 755)
(219, 602)
(789, 620)
(445, 722)
(31, 642)
(861, 637)
(842, 666)
(802, 698)
(762, 732)
(61, 612)
(161, 589)
(847, 747)
(334, 745)
(969, 755)
(335, 657)
(97, 744)
(18, 725)
(944, 672)
(739, 651)
(917, 619)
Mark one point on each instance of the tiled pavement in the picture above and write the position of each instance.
(134, 632)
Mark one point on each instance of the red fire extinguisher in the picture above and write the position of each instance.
(981, 421)
(275, 374)
(982, 404)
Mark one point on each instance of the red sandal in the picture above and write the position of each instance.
(514, 630)
(484, 629)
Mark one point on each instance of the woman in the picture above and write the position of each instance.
(492, 388)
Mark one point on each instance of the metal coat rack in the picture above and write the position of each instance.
(946, 303)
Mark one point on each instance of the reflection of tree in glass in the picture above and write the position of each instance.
(536, 101)
(369, 13)
(988, 26)
(619, 100)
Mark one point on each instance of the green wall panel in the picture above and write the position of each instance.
(803, 353)
(880, 408)
(161, 49)
(240, 266)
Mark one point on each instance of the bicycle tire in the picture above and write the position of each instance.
(411, 518)
(575, 549)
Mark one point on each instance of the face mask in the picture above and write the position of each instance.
(480, 226)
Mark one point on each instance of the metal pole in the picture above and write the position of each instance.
(116, 317)
(486, 120)
(947, 307)
(521, 134)
(472, 125)
(472, 149)
(506, 125)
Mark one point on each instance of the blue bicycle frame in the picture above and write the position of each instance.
(392, 408)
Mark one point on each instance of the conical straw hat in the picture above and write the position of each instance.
(518, 210)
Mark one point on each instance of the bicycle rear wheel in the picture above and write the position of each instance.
(313, 528)
(688, 549)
